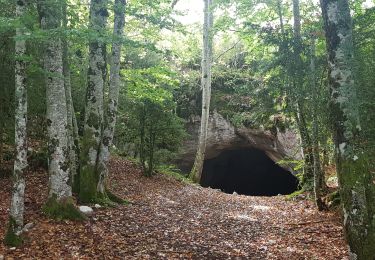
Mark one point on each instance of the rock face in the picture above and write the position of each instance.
(222, 135)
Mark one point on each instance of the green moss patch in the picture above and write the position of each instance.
(88, 182)
(60, 210)
(116, 198)
(11, 238)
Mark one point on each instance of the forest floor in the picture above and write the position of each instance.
(168, 219)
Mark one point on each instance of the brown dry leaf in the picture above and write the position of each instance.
(171, 220)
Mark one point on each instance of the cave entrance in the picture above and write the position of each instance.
(249, 172)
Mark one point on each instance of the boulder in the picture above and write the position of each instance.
(27, 227)
(86, 210)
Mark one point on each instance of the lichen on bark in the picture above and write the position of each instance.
(58, 147)
(114, 86)
(353, 160)
(15, 223)
(94, 103)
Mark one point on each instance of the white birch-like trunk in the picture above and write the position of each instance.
(196, 172)
(71, 118)
(58, 147)
(94, 104)
(114, 87)
(20, 162)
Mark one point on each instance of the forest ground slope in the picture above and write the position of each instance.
(168, 219)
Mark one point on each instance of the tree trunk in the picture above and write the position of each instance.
(357, 185)
(319, 181)
(298, 95)
(114, 86)
(92, 132)
(20, 163)
(73, 138)
(58, 147)
(308, 172)
(142, 136)
(196, 172)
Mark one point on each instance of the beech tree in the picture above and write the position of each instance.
(72, 128)
(59, 202)
(357, 186)
(92, 132)
(20, 163)
(114, 87)
(206, 78)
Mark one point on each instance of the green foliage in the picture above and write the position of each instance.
(173, 172)
(155, 130)
(295, 165)
(147, 115)
(11, 238)
(295, 194)
(60, 210)
(38, 159)
(333, 199)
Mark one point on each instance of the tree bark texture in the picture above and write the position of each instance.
(92, 132)
(73, 137)
(319, 180)
(196, 172)
(114, 87)
(20, 162)
(356, 179)
(298, 96)
(58, 147)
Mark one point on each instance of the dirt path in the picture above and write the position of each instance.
(171, 220)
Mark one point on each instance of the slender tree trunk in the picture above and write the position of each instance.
(92, 132)
(319, 181)
(356, 178)
(71, 118)
(306, 143)
(297, 94)
(196, 172)
(1, 139)
(114, 86)
(58, 147)
(142, 135)
(20, 162)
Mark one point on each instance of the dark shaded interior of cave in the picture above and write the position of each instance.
(248, 172)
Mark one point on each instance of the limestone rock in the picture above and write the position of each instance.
(86, 210)
(222, 135)
(28, 226)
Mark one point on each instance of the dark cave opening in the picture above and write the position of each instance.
(248, 172)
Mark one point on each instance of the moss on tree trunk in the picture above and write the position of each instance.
(62, 209)
(12, 236)
(353, 161)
